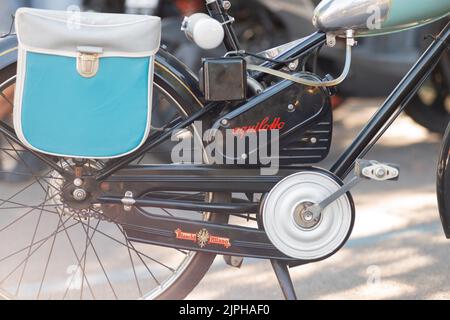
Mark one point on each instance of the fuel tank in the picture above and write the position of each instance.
(376, 17)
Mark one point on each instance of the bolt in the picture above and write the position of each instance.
(331, 40)
(244, 156)
(129, 194)
(78, 182)
(308, 216)
(291, 108)
(293, 65)
(313, 140)
(80, 195)
(224, 122)
(380, 173)
(227, 5)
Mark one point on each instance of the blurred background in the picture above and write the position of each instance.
(398, 249)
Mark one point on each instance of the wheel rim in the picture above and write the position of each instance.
(56, 256)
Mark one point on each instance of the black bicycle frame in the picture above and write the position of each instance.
(232, 179)
(364, 142)
(369, 135)
(305, 47)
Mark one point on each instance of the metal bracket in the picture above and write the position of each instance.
(128, 201)
(331, 40)
(229, 21)
(374, 170)
(235, 262)
(364, 169)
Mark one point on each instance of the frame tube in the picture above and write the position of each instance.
(311, 43)
(223, 208)
(217, 11)
(396, 101)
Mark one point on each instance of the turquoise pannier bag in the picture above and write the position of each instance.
(84, 82)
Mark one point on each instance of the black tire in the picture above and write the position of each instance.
(180, 88)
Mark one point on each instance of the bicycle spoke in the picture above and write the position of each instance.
(84, 262)
(26, 214)
(37, 242)
(125, 245)
(29, 250)
(130, 245)
(98, 258)
(83, 257)
(42, 242)
(134, 269)
(28, 167)
(48, 262)
(16, 194)
(78, 260)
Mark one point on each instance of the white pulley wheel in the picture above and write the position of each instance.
(289, 226)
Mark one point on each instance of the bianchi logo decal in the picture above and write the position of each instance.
(203, 238)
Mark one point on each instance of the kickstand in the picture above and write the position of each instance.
(284, 279)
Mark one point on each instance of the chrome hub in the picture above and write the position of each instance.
(304, 218)
(73, 198)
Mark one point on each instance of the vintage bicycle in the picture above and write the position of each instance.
(109, 215)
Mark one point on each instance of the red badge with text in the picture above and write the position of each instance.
(202, 238)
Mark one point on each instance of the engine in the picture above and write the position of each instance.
(301, 115)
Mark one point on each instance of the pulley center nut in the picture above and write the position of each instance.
(80, 194)
(303, 217)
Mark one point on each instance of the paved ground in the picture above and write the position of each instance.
(397, 250)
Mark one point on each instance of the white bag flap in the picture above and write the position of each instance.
(63, 32)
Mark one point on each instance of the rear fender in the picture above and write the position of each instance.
(8, 52)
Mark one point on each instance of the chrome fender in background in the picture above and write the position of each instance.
(443, 183)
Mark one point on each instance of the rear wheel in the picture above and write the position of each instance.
(51, 250)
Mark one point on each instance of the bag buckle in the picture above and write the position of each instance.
(88, 61)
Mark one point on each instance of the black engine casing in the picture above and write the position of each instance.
(302, 114)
